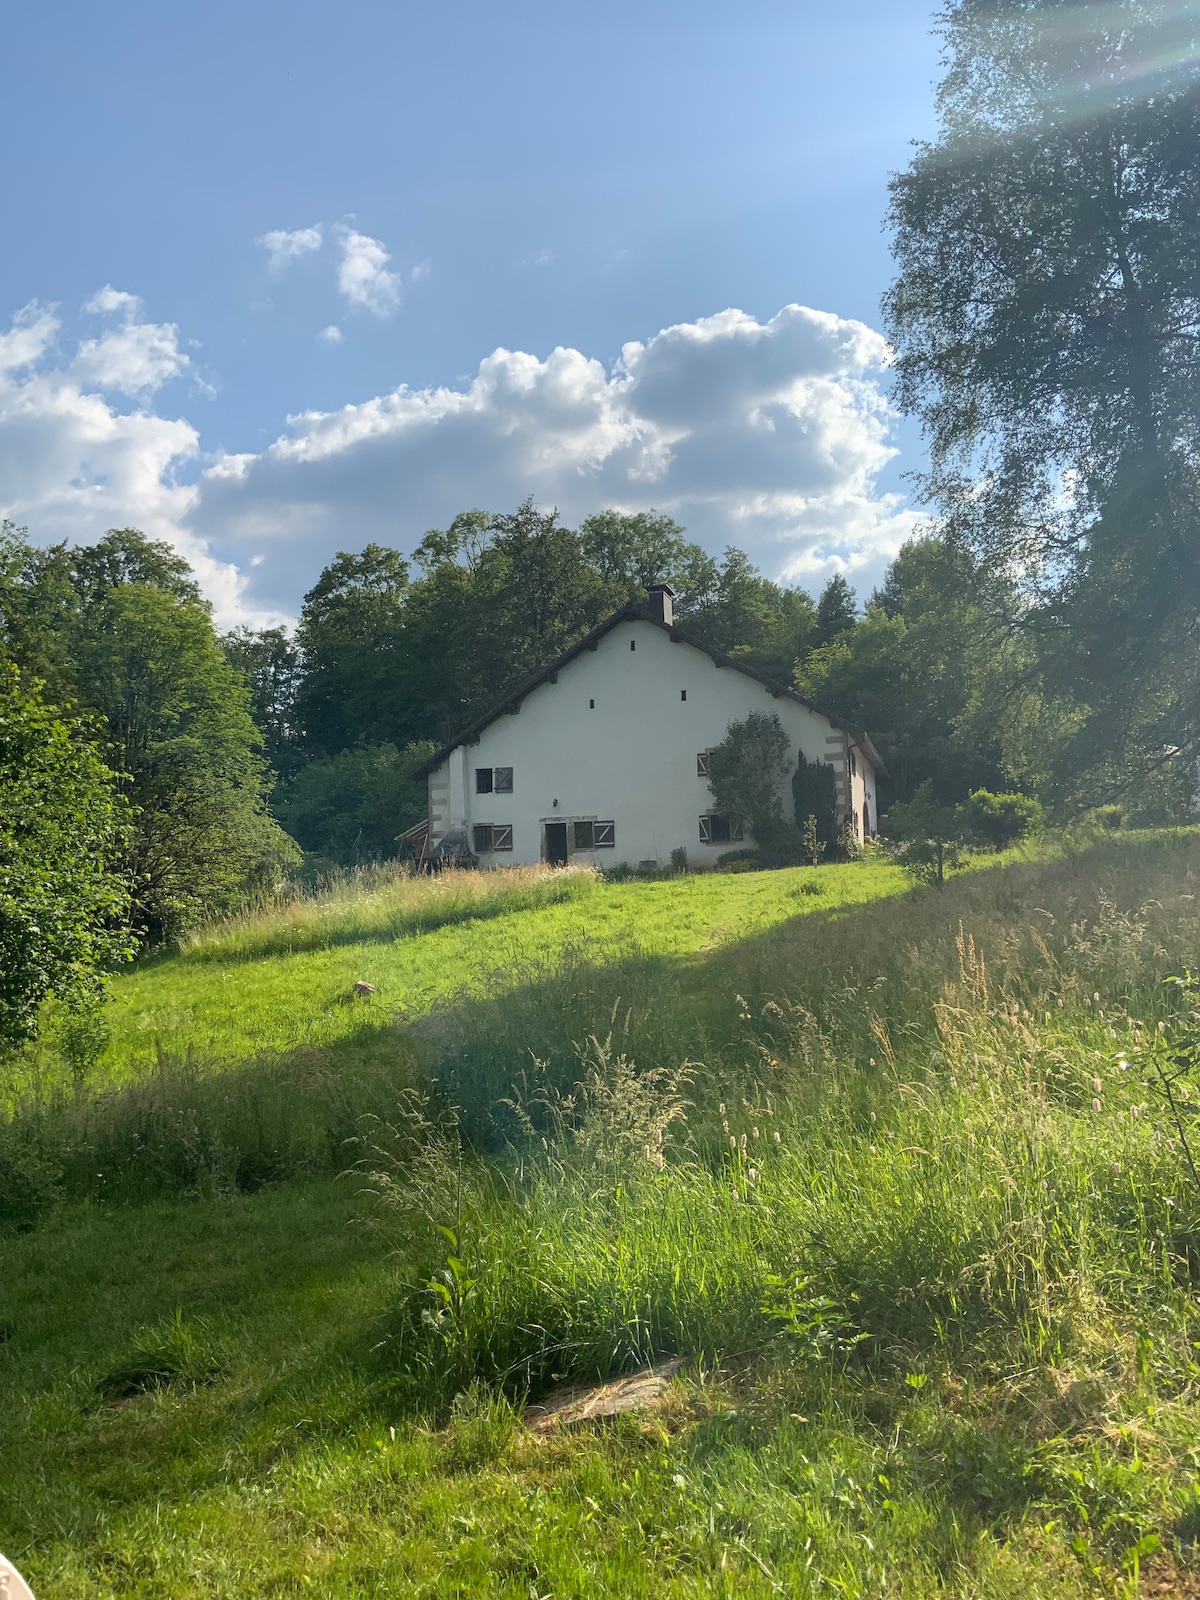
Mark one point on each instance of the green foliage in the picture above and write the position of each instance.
(132, 642)
(747, 772)
(930, 835)
(837, 611)
(1076, 362)
(814, 847)
(351, 807)
(999, 820)
(63, 899)
(814, 794)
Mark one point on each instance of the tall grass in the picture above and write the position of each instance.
(979, 1157)
(387, 901)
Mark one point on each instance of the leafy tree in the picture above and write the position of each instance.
(747, 771)
(63, 899)
(1046, 320)
(930, 835)
(351, 807)
(351, 636)
(269, 665)
(837, 611)
(178, 725)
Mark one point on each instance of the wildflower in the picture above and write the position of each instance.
(1087, 1002)
(646, 1152)
(873, 1117)
(743, 1144)
(752, 1174)
(954, 1083)
(754, 1133)
(1114, 1166)
(1122, 1063)
(725, 1125)
(733, 1141)
(1184, 1093)
(1162, 1027)
(659, 1136)
(1095, 1105)
(1096, 997)
(1097, 1085)
(1135, 1111)
(872, 1149)
(776, 1137)
(660, 1161)
(872, 1060)
(1061, 1002)
(721, 1108)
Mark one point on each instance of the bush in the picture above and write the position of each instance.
(998, 820)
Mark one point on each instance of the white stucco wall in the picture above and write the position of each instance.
(615, 740)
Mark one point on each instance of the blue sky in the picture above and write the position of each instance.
(221, 217)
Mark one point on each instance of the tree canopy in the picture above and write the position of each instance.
(63, 828)
(1046, 319)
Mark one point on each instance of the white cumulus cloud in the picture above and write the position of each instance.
(73, 464)
(136, 358)
(331, 335)
(283, 246)
(363, 277)
(770, 435)
(30, 336)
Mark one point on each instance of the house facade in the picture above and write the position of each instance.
(602, 757)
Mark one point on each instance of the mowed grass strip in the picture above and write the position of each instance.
(252, 993)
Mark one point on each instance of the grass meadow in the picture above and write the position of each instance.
(908, 1178)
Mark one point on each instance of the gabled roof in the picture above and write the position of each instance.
(635, 611)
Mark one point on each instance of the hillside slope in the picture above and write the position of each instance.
(899, 1179)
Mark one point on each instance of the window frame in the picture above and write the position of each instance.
(502, 780)
(736, 830)
(703, 764)
(484, 777)
(577, 828)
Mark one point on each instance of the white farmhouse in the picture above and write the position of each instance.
(602, 757)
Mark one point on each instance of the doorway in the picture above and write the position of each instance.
(556, 844)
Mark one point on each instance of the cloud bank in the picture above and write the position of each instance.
(769, 435)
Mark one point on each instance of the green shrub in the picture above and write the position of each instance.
(999, 820)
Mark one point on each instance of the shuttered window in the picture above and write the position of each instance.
(489, 836)
(718, 829)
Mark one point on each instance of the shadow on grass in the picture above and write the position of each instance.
(828, 982)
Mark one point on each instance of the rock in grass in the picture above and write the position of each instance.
(362, 987)
(564, 1408)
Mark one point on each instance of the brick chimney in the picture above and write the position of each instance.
(662, 603)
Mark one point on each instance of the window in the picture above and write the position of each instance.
(493, 780)
(853, 765)
(488, 836)
(702, 764)
(633, 644)
(717, 829)
(683, 694)
(591, 705)
(595, 835)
